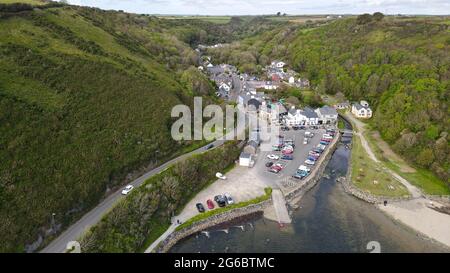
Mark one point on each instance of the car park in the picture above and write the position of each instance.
(210, 204)
(200, 207)
(127, 189)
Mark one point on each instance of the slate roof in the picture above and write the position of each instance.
(327, 110)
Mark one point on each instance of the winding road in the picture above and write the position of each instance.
(76, 230)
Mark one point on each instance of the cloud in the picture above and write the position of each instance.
(241, 7)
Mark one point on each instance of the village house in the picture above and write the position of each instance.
(309, 116)
(361, 110)
(251, 101)
(251, 147)
(327, 115)
(342, 105)
(278, 64)
(303, 83)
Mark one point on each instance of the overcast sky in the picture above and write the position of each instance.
(243, 7)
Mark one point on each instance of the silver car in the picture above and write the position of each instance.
(228, 198)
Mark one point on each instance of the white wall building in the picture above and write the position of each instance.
(361, 111)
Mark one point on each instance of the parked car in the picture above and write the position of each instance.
(269, 164)
(312, 158)
(302, 173)
(228, 198)
(274, 170)
(304, 168)
(210, 146)
(221, 176)
(200, 207)
(305, 141)
(210, 204)
(278, 165)
(272, 156)
(220, 200)
(317, 150)
(310, 162)
(127, 189)
(323, 143)
(297, 176)
(295, 128)
(287, 157)
(287, 152)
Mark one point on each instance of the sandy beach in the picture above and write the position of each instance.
(418, 215)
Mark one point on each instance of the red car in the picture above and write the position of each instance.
(210, 204)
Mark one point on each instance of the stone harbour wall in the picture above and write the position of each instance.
(214, 220)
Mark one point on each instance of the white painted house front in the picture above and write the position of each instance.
(327, 115)
(225, 87)
(361, 111)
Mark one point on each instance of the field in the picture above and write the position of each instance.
(212, 19)
(31, 2)
(299, 18)
(369, 175)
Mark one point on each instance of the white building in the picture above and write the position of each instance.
(308, 116)
(327, 115)
(245, 160)
(361, 111)
(302, 117)
(270, 86)
(278, 64)
(225, 87)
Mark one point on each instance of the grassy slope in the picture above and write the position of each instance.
(80, 107)
(422, 178)
(365, 171)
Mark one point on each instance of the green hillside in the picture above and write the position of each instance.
(85, 99)
(400, 65)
